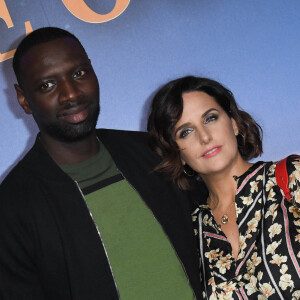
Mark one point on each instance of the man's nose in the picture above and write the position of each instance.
(68, 91)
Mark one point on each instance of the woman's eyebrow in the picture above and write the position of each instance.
(208, 111)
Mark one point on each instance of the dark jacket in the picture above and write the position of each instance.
(49, 245)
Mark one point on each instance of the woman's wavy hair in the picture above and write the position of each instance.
(166, 110)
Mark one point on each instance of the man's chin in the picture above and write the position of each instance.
(71, 133)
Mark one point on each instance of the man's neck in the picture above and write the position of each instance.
(67, 153)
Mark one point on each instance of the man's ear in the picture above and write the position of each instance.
(22, 100)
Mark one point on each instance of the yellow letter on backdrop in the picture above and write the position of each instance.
(4, 14)
(80, 10)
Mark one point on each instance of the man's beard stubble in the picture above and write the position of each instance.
(67, 132)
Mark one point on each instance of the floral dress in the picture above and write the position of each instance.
(268, 263)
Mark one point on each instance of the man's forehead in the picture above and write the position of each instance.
(52, 57)
(52, 48)
(60, 42)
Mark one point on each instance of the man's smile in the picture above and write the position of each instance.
(75, 114)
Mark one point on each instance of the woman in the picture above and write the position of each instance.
(249, 234)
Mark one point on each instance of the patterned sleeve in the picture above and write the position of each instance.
(293, 169)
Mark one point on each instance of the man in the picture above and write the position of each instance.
(83, 215)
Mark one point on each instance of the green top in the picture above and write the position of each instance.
(93, 170)
(144, 263)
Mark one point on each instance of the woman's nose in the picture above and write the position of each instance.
(204, 136)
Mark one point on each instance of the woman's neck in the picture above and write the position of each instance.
(222, 186)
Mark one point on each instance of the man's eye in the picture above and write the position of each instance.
(185, 132)
(210, 118)
(46, 86)
(79, 74)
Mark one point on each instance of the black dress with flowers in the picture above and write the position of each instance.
(268, 263)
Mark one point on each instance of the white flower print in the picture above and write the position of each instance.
(238, 210)
(285, 282)
(278, 259)
(213, 255)
(266, 290)
(269, 185)
(296, 295)
(272, 247)
(254, 187)
(208, 242)
(247, 200)
(256, 260)
(242, 243)
(272, 211)
(259, 178)
(295, 210)
(252, 272)
(257, 215)
(283, 269)
(252, 225)
(275, 229)
(260, 275)
(271, 195)
(224, 263)
(251, 286)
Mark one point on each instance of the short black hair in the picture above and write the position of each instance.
(37, 37)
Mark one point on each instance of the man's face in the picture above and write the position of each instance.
(60, 89)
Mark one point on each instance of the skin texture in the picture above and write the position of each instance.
(206, 137)
(60, 89)
(204, 126)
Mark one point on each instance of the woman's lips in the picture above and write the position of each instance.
(212, 152)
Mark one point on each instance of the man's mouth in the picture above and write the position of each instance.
(74, 115)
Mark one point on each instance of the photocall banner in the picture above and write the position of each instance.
(252, 47)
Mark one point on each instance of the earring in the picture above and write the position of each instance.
(188, 171)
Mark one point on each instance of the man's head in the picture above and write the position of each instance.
(37, 37)
(57, 84)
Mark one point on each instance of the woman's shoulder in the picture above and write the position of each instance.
(293, 171)
(289, 166)
(287, 174)
(293, 165)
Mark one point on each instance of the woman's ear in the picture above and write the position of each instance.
(22, 100)
(235, 127)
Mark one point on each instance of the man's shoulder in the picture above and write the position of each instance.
(24, 170)
(123, 138)
(125, 145)
(18, 174)
(122, 133)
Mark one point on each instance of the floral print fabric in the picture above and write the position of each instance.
(268, 263)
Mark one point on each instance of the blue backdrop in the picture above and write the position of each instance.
(252, 47)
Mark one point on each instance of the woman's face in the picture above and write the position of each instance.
(206, 135)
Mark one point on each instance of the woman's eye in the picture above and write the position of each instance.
(46, 85)
(79, 74)
(185, 132)
(210, 118)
